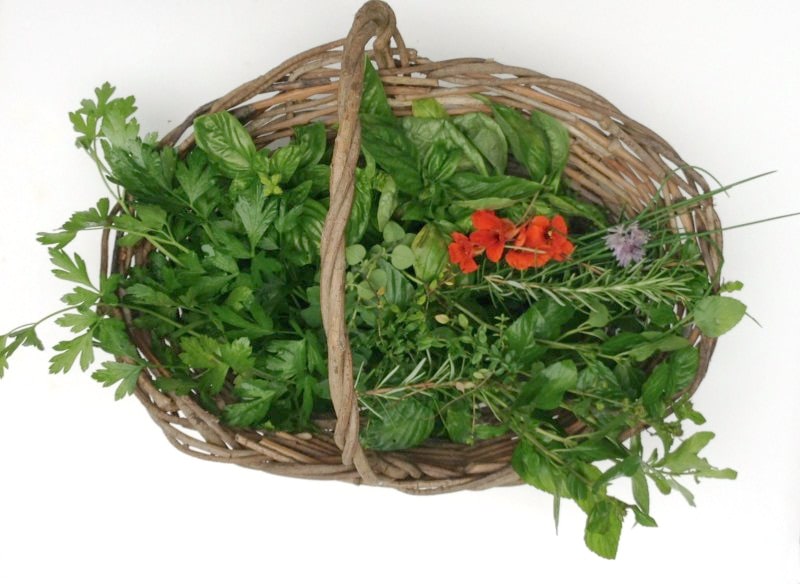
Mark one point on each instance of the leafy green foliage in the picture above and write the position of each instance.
(401, 424)
(716, 315)
(226, 143)
(228, 302)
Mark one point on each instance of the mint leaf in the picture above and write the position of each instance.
(402, 424)
(604, 527)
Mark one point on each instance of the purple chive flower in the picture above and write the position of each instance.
(627, 243)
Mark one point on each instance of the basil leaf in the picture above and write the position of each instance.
(362, 205)
(528, 142)
(386, 142)
(487, 136)
(468, 186)
(428, 107)
(373, 95)
(226, 142)
(557, 141)
(311, 141)
(430, 253)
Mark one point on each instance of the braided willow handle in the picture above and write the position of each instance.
(376, 19)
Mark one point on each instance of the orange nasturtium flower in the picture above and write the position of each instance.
(543, 240)
(462, 252)
(492, 233)
(534, 243)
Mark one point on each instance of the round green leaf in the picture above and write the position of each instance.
(354, 254)
(402, 257)
(392, 232)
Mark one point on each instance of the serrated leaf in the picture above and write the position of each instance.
(256, 398)
(459, 422)
(536, 469)
(148, 296)
(78, 349)
(403, 424)
(126, 374)
(542, 321)
(70, 269)
(603, 528)
(256, 214)
(77, 321)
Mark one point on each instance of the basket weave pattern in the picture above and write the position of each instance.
(614, 161)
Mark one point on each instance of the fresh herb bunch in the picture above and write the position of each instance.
(484, 296)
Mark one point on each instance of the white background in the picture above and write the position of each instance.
(90, 490)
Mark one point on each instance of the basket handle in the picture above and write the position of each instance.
(375, 18)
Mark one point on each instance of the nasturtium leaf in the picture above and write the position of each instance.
(402, 424)
(716, 315)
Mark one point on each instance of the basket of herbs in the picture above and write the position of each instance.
(373, 267)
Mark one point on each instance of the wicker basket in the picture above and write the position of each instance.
(614, 161)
